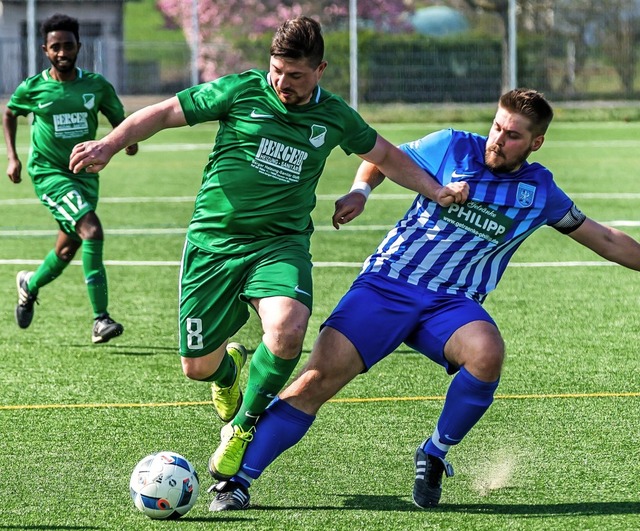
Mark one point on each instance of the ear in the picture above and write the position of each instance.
(321, 68)
(537, 143)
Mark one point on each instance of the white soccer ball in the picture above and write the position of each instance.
(164, 485)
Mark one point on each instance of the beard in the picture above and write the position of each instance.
(293, 98)
(496, 161)
(67, 66)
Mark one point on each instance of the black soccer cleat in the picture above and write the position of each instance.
(427, 488)
(26, 299)
(105, 328)
(230, 496)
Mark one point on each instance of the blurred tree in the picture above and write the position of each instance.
(223, 22)
(614, 24)
(501, 8)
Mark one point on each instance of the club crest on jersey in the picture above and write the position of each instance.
(525, 194)
(89, 100)
(318, 134)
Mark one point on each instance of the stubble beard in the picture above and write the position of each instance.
(493, 153)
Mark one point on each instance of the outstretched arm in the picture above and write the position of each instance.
(10, 128)
(385, 159)
(610, 243)
(95, 155)
(400, 168)
(129, 150)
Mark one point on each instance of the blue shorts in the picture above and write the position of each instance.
(379, 313)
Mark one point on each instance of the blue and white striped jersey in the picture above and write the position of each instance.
(466, 248)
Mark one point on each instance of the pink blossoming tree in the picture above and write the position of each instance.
(222, 22)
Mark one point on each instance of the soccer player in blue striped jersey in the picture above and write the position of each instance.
(425, 284)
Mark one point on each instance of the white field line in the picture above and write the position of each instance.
(321, 228)
(205, 147)
(176, 263)
(320, 197)
(172, 231)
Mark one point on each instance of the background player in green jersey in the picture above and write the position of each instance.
(248, 241)
(65, 102)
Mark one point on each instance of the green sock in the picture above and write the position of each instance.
(225, 373)
(268, 374)
(49, 270)
(95, 276)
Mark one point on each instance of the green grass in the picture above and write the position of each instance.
(557, 450)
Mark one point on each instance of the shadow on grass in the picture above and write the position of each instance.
(131, 350)
(398, 503)
(557, 509)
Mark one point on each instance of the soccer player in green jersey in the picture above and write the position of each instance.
(65, 102)
(248, 240)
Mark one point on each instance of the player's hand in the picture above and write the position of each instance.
(131, 150)
(90, 156)
(452, 193)
(348, 207)
(14, 171)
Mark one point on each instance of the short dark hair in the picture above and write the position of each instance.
(531, 104)
(299, 38)
(60, 22)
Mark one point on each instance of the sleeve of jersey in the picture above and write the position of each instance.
(362, 137)
(429, 151)
(19, 102)
(563, 215)
(112, 107)
(208, 101)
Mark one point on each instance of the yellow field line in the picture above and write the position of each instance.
(335, 401)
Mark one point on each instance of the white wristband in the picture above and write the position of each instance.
(362, 188)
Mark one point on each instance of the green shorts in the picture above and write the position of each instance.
(68, 199)
(215, 289)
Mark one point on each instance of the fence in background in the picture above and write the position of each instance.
(573, 61)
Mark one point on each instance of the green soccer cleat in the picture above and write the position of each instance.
(26, 299)
(227, 400)
(226, 460)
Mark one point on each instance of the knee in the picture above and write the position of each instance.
(482, 355)
(487, 365)
(89, 227)
(486, 360)
(286, 340)
(66, 253)
(192, 372)
(193, 369)
(91, 232)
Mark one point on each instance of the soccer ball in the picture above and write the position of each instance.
(164, 485)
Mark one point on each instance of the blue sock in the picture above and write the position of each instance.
(467, 400)
(279, 428)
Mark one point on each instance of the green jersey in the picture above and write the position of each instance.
(65, 113)
(261, 177)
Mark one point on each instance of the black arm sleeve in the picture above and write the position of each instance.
(571, 220)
